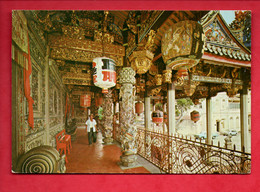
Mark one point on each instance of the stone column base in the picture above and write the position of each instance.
(228, 145)
(128, 160)
(108, 140)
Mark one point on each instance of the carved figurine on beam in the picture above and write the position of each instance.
(141, 59)
(233, 88)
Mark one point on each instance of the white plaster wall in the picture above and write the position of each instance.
(221, 113)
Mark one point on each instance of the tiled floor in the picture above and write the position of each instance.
(99, 158)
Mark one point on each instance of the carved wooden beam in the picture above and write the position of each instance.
(83, 50)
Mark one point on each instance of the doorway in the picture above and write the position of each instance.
(218, 126)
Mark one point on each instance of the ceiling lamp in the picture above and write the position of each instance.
(85, 100)
(104, 73)
(195, 116)
(182, 46)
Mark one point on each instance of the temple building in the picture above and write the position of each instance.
(129, 69)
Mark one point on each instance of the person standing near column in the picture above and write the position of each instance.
(91, 129)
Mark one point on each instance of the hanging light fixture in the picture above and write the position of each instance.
(182, 46)
(139, 108)
(195, 116)
(85, 100)
(104, 75)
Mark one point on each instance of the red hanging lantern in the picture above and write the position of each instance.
(85, 101)
(157, 117)
(104, 73)
(195, 116)
(139, 108)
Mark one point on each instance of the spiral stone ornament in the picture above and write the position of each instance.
(42, 159)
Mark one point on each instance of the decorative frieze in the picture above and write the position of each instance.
(74, 32)
(83, 50)
(36, 52)
(39, 125)
(82, 55)
(20, 30)
(34, 140)
(54, 121)
(211, 79)
(70, 77)
(20, 119)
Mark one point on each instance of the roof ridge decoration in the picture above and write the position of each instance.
(220, 40)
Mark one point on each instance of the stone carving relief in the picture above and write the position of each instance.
(35, 82)
(19, 30)
(54, 121)
(108, 117)
(39, 125)
(34, 140)
(20, 111)
(127, 121)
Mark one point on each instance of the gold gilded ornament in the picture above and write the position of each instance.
(141, 61)
(182, 45)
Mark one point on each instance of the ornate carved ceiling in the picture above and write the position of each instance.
(76, 37)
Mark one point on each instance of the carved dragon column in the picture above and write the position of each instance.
(128, 128)
(108, 117)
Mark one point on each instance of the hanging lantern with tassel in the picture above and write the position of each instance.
(139, 108)
(104, 73)
(85, 100)
(157, 117)
(182, 46)
(195, 116)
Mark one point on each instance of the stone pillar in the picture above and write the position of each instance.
(127, 121)
(171, 121)
(108, 117)
(209, 119)
(244, 118)
(114, 120)
(47, 106)
(147, 112)
(171, 109)
(228, 142)
(164, 119)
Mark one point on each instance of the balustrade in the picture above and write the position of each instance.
(183, 155)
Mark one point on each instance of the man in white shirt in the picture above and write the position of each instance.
(91, 129)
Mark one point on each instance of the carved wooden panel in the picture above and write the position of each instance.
(81, 50)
